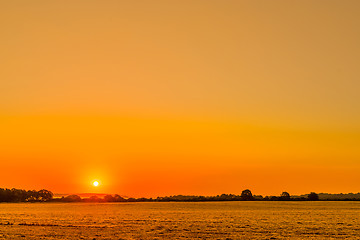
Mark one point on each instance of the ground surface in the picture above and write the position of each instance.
(205, 220)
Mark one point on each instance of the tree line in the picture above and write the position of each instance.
(246, 195)
(19, 195)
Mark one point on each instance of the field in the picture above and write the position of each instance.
(205, 220)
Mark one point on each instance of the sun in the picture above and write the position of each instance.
(95, 183)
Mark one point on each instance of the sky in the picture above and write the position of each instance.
(156, 98)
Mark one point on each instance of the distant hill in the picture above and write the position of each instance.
(84, 195)
(322, 196)
(337, 196)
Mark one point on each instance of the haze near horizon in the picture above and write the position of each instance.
(155, 98)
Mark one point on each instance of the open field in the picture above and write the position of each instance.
(205, 220)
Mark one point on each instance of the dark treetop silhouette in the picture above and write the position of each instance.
(19, 195)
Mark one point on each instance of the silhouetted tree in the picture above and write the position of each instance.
(246, 195)
(118, 198)
(258, 197)
(23, 195)
(32, 195)
(274, 198)
(19, 195)
(285, 196)
(45, 195)
(109, 198)
(313, 197)
(72, 198)
(94, 199)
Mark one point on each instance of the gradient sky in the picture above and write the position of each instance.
(157, 98)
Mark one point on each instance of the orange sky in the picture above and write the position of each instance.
(180, 97)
